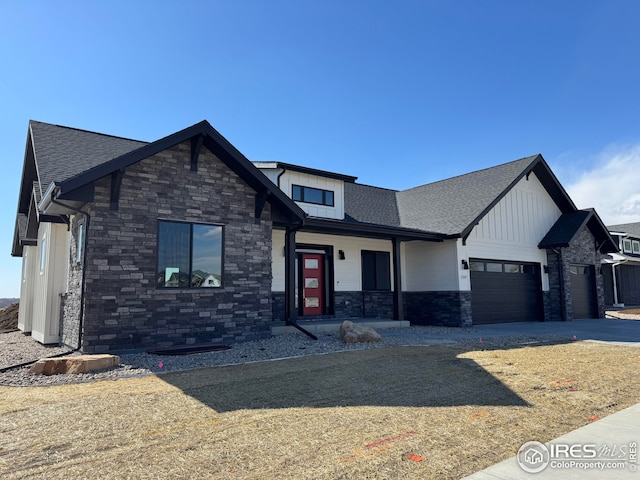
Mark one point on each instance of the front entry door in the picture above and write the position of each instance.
(312, 284)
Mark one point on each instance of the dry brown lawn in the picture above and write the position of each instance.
(413, 412)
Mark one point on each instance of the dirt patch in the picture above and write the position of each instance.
(631, 311)
(9, 318)
(412, 412)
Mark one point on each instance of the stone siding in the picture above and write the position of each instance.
(582, 250)
(70, 301)
(352, 304)
(123, 307)
(451, 309)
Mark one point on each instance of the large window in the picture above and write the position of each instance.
(376, 270)
(312, 195)
(189, 255)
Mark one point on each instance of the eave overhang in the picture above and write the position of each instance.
(368, 230)
(307, 170)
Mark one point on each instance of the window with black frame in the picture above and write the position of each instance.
(189, 255)
(376, 270)
(312, 195)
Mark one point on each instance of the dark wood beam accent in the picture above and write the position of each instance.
(54, 219)
(196, 146)
(398, 307)
(116, 182)
(261, 199)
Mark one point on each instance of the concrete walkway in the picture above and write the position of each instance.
(610, 440)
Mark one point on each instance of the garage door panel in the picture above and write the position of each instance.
(583, 291)
(511, 295)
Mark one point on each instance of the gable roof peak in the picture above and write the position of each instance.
(530, 160)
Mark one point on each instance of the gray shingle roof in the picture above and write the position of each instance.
(565, 229)
(450, 206)
(374, 205)
(63, 152)
(630, 228)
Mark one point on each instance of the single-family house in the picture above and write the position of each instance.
(622, 268)
(118, 238)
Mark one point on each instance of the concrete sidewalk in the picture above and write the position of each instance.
(620, 431)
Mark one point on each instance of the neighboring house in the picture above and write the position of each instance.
(622, 268)
(118, 237)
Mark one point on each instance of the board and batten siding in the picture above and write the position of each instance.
(513, 228)
(429, 266)
(27, 286)
(347, 272)
(290, 178)
(50, 281)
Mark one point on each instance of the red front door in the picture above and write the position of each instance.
(312, 284)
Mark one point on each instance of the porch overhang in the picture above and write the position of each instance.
(367, 230)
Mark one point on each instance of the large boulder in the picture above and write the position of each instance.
(76, 364)
(353, 333)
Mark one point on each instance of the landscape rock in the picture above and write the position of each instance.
(354, 333)
(76, 364)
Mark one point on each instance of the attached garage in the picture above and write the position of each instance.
(505, 291)
(583, 291)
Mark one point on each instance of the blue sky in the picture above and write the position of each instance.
(398, 93)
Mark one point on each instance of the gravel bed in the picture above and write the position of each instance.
(15, 348)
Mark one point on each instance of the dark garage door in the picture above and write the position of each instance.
(583, 291)
(505, 292)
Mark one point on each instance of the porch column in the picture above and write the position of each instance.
(290, 311)
(398, 307)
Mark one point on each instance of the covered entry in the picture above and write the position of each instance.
(314, 280)
(505, 291)
(583, 291)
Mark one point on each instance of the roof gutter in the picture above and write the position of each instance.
(47, 198)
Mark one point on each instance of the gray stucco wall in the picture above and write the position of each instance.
(124, 309)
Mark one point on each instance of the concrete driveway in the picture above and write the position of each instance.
(623, 332)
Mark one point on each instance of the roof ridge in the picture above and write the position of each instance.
(88, 131)
(532, 157)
